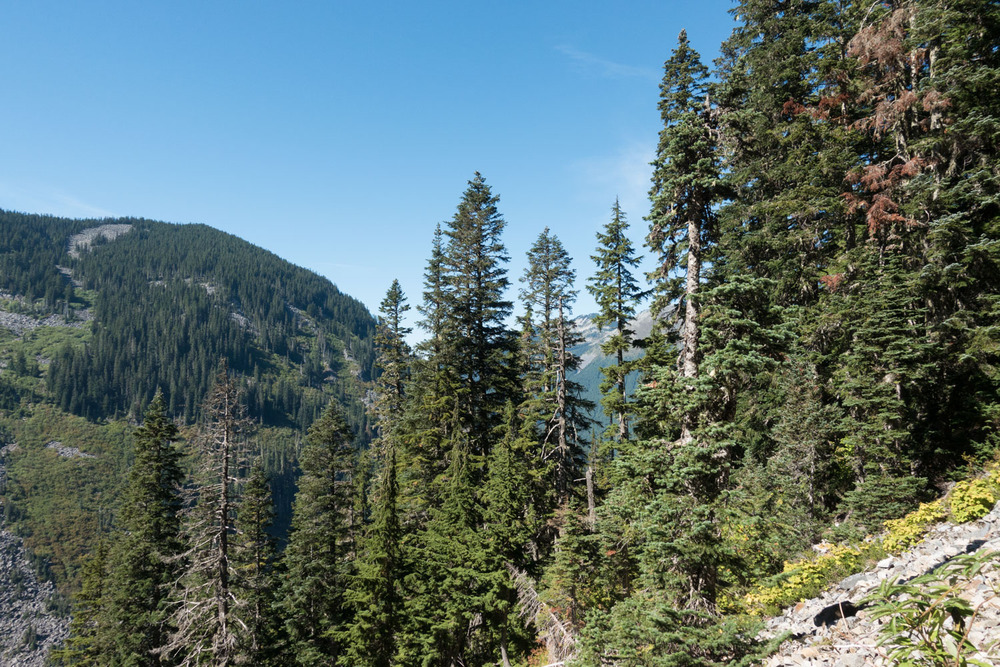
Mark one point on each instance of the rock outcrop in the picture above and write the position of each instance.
(823, 637)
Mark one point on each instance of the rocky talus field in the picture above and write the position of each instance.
(824, 636)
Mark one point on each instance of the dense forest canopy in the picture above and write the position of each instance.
(169, 301)
(824, 217)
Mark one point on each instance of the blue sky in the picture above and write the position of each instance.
(338, 134)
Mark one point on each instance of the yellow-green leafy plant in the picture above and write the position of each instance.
(905, 532)
(972, 500)
(805, 578)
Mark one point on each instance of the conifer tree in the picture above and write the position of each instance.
(393, 360)
(317, 556)
(684, 193)
(789, 139)
(87, 644)
(375, 594)
(479, 345)
(617, 292)
(549, 295)
(430, 405)
(255, 562)
(143, 556)
(507, 531)
(445, 577)
(207, 605)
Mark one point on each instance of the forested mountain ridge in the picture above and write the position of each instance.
(169, 301)
(96, 316)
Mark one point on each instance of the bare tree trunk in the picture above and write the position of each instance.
(689, 355)
(565, 476)
(591, 500)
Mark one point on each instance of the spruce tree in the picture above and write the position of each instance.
(317, 558)
(376, 594)
(548, 296)
(479, 347)
(254, 563)
(684, 195)
(392, 358)
(507, 532)
(445, 578)
(87, 644)
(143, 558)
(617, 293)
(430, 405)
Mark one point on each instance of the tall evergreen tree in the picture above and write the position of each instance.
(684, 195)
(143, 557)
(87, 644)
(548, 294)
(445, 575)
(376, 593)
(430, 405)
(254, 562)
(507, 531)
(317, 558)
(617, 292)
(393, 360)
(480, 345)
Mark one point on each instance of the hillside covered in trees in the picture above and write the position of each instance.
(824, 218)
(94, 327)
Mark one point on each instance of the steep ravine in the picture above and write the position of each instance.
(852, 642)
(27, 629)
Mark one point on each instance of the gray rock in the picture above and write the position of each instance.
(851, 581)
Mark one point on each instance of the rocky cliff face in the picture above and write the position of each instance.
(852, 641)
(28, 630)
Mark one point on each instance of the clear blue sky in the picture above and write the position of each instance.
(337, 134)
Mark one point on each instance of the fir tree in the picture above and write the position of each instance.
(684, 194)
(393, 360)
(479, 345)
(317, 556)
(445, 575)
(375, 594)
(255, 562)
(87, 644)
(430, 405)
(143, 556)
(551, 396)
(617, 293)
(505, 500)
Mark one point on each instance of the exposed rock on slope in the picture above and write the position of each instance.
(27, 629)
(83, 240)
(851, 641)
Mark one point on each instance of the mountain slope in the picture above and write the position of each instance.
(97, 316)
(592, 360)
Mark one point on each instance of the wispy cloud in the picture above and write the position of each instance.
(606, 68)
(45, 200)
(81, 208)
(624, 174)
